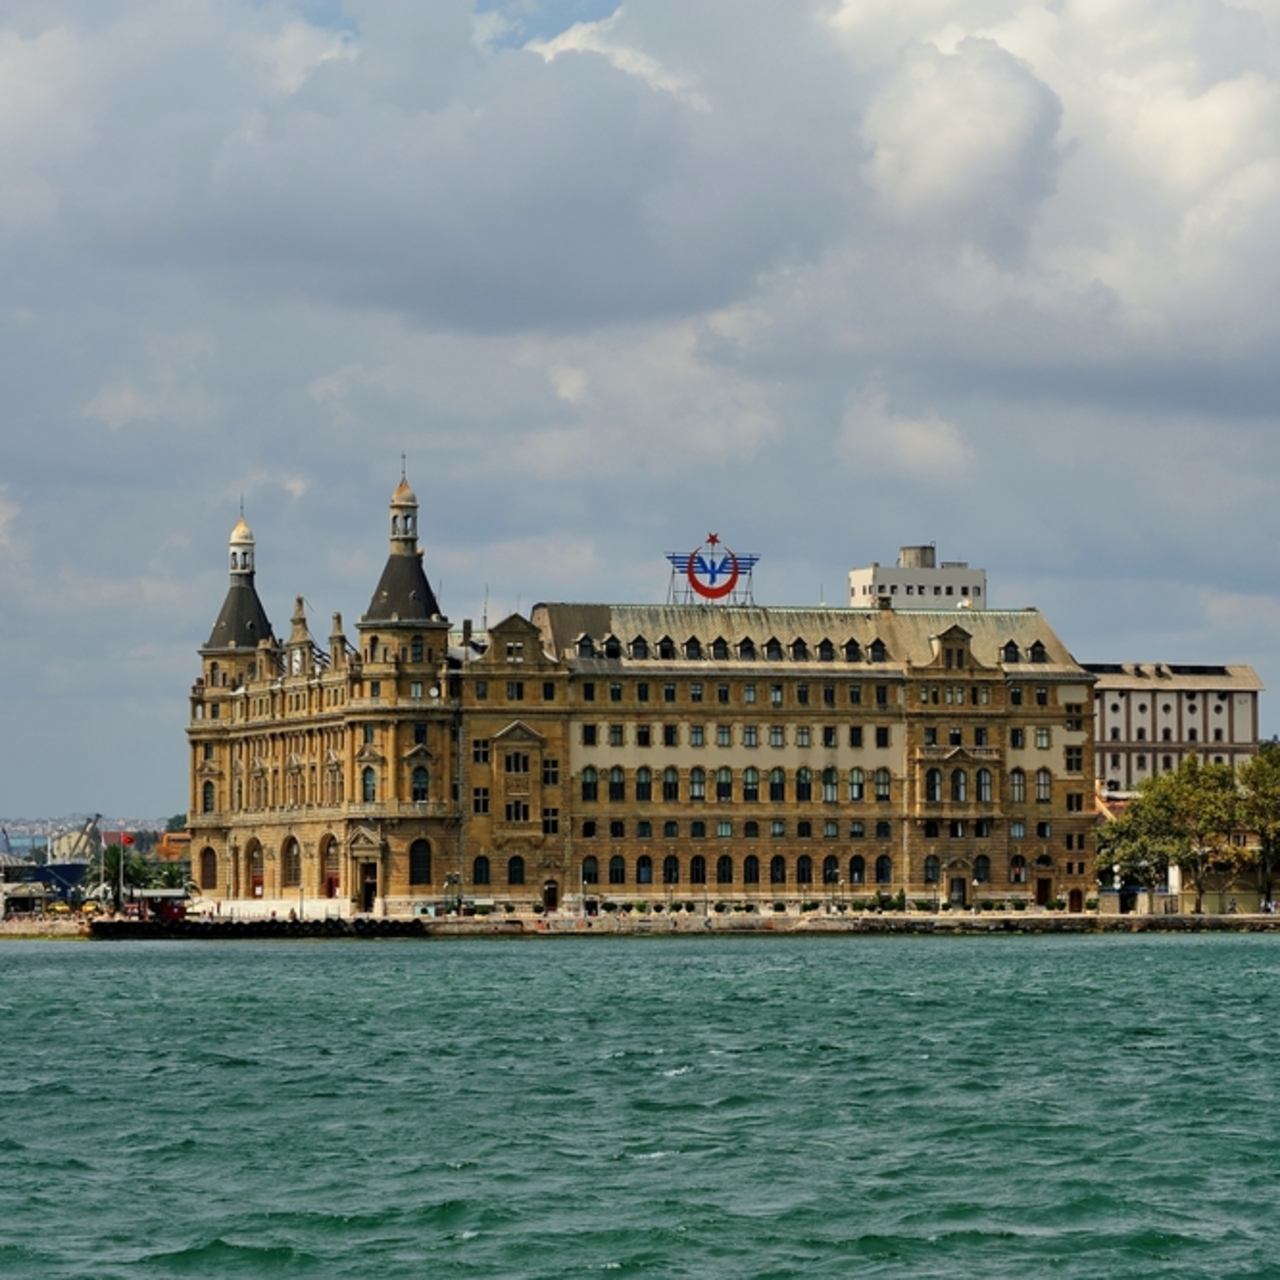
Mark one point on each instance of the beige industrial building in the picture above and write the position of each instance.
(695, 756)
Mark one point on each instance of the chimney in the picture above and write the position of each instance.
(884, 604)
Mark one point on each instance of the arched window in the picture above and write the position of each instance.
(984, 786)
(751, 869)
(644, 783)
(933, 785)
(671, 869)
(884, 784)
(480, 870)
(369, 785)
(1017, 869)
(617, 783)
(804, 869)
(830, 785)
(884, 869)
(982, 869)
(1011, 652)
(697, 784)
(590, 871)
(777, 785)
(693, 648)
(857, 869)
(590, 784)
(1017, 786)
(804, 784)
(959, 785)
(670, 784)
(420, 862)
(724, 869)
(640, 647)
(830, 869)
(208, 869)
(1044, 786)
(697, 869)
(207, 798)
(777, 869)
(644, 869)
(617, 870)
(932, 869)
(750, 785)
(724, 783)
(857, 785)
(515, 870)
(421, 785)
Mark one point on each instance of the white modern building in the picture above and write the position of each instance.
(1149, 715)
(918, 581)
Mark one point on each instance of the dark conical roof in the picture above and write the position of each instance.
(243, 621)
(403, 592)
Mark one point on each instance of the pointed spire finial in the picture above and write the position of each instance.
(403, 460)
(242, 506)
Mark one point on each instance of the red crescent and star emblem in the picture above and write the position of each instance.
(712, 577)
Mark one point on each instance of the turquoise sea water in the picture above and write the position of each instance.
(736, 1107)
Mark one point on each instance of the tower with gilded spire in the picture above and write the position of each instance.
(242, 628)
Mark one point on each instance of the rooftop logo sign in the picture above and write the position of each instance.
(711, 573)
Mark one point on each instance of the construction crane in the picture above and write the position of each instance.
(4, 839)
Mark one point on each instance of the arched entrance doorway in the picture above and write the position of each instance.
(958, 891)
(253, 857)
(551, 895)
(1075, 900)
(330, 868)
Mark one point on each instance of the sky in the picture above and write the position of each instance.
(824, 277)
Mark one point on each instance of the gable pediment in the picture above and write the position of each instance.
(518, 731)
(363, 837)
(418, 752)
(369, 754)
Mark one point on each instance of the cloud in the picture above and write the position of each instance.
(9, 512)
(873, 439)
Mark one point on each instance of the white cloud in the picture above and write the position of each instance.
(120, 404)
(9, 512)
(874, 439)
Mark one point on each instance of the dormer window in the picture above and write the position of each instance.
(693, 648)
(773, 650)
(640, 647)
(826, 651)
(585, 648)
(747, 650)
(720, 649)
(799, 651)
(852, 651)
(1011, 653)
(612, 647)
(666, 648)
(1038, 653)
(878, 653)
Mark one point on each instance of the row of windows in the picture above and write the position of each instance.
(720, 650)
(807, 784)
(1166, 735)
(698, 692)
(700, 735)
(698, 830)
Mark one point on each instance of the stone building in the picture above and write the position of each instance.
(598, 754)
(1149, 715)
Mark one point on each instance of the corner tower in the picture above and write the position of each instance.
(242, 625)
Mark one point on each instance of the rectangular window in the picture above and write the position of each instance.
(828, 695)
(955, 737)
(695, 692)
(551, 773)
(615, 692)
(802, 694)
(857, 831)
(644, 830)
(368, 733)
(802, 736)
(1075, 759)
(1017, 830)
(588, 692)
(515, 690)
(1042, 739)
(829, 735)
(670, 735)
(749, 693)
(775, 695)
(482, 690)
(375, 688)
(588, 735)
(750, 736)
(930, 737)
(723, 735)
(980, 737)
(1075, 802)
(516, 762)
(480, 800)
(1042, 696)
(516, 811)
(643, 736)
(855, 695)
(1017, 739)
(415, 689)
(615, 735)
(696, 736)
(882, 695)
(776, 736)
(724, 830)
(617, 830)
(548, 691)
(882, 736)
(830, 829)
(1015, 696)
(642, 692)
(208, 750)
(550, 822)
(722, 693)
(777, 829)
(668, 693)
(855, 735)
(480, 751)
(804, 830)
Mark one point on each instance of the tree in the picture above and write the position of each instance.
(137, 873)
(1184, 818)
(1260, 804)
(177, 823)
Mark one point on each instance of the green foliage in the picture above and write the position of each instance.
(177, 823)
(1259, 780)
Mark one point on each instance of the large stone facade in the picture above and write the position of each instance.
(598, 754)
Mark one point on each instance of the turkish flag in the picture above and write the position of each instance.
(126, 838)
